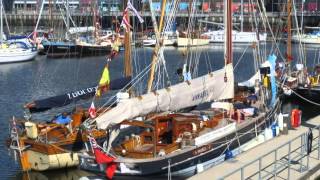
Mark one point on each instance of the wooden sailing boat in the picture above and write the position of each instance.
(17, 51)
(179, 142)
(300, 83)
(53, 145)
(45, 146)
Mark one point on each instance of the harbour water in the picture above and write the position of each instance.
(44, 77)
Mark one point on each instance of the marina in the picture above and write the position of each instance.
(174, 93)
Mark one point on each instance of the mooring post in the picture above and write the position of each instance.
(318, 142)
(301, 151)
(275, 164)
(260, 168)
(289, 159)
(242, 174)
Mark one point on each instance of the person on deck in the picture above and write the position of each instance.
(62, 119)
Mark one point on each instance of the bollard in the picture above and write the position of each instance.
(286, 124)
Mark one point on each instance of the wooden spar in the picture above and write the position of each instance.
(163, 8)
(289, 58)
(228, 31)
(158, 44)
(127, 47)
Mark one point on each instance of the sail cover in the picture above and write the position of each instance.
(200, 90)
(65, 99)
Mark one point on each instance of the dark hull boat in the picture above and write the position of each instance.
(94, 50)
(185, 161)
(308, 93)
(59, 49)
(180, 144)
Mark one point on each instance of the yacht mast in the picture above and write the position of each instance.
(158, 44)
(241, 28)
(68, 19)
(39, 16)
(1, 21)
(289, 58)
(228, 31)
(127, 47)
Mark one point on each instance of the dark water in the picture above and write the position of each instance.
(22, 82)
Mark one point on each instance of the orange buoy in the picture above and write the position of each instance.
(296, 118)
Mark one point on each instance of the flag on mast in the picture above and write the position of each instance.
(103, 158)
(125, 24)
(92, 111)
(104, 82)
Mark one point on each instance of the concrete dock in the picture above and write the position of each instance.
(283, 157)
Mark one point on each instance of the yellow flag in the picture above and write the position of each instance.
(104, 81)
(105, 78)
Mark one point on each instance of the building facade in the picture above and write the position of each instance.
(205, 6)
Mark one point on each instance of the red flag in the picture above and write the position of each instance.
(103, 158)
(92, 111)
(125, 24)
(289, 58)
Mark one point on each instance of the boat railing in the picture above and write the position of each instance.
(295, 152)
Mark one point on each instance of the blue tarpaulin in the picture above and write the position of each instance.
(272, 59)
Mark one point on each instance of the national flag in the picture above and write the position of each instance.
(125, 24)
(104, 81)
(93, 142)
(289, 58)
(92, 111)
(103, 158)
(135, 12)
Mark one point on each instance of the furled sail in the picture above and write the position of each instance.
(65, 99)
(217, 85)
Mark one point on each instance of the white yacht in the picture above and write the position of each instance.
(237, 36)
(169, 39)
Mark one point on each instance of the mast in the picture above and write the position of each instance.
(93, 9)
(50, 13)
(39, 16)
(127, 47)
(289, 35)
(68, 20)
(241, 28)
(158, 44)
(228, 31)
(1, 25)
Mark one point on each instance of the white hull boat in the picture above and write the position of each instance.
(166, 42)
(237, 37)
(11, 55)
(192, 42)
(306, 39)
(169, 39)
